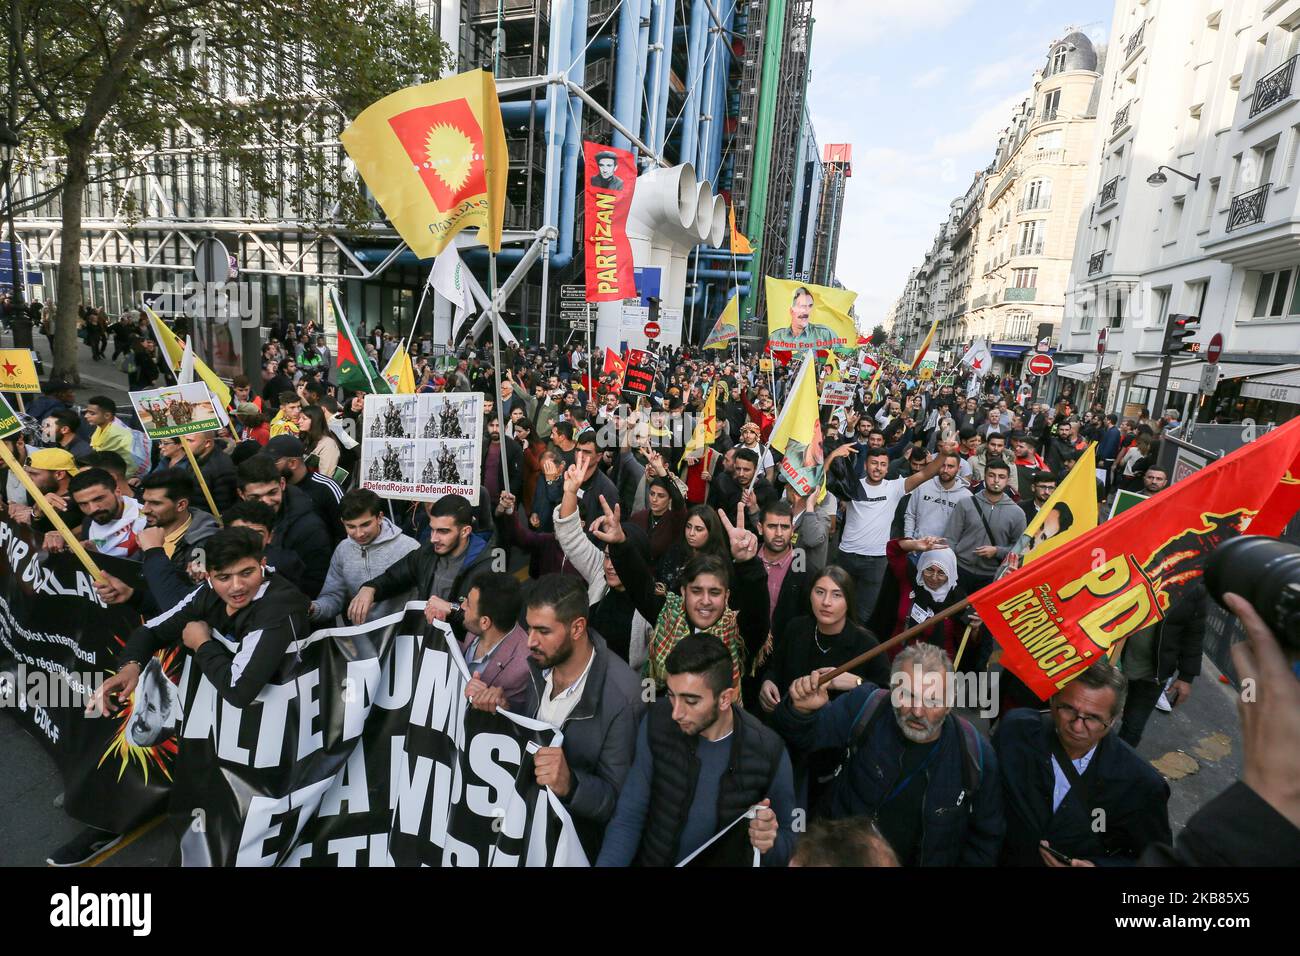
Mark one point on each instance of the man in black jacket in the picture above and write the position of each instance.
(297, 526)
(578, 685)
(1064, 773)
(240, 600)
(702, 763)
(437, 572)
(216, 467)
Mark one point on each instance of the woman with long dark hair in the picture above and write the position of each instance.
(702, 533)
(665, 518)
(314, 432)
(823, 639)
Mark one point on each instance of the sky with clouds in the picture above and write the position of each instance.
(921, 89)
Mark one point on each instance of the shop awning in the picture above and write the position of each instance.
(1280, 386)
(1185, 377)
(1080, 371)
(1008, 351)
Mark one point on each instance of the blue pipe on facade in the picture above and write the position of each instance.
(667, 35)
(697, 74)
(650, 77)
(557, 59)
(625, 62)
(723, 254)
(640, 110)
(516, 114)
(734, 276)
(573, 130)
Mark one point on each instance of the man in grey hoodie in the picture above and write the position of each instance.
(372, 545)
(983, 528)
(931, 505)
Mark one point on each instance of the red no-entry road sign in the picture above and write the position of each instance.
(1214, 349)
(652, 330)
(1041, 364)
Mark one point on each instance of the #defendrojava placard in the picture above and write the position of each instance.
(421, 447)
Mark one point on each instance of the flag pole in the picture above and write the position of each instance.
(496, 366)
(198, 476)
(38, 500)
(415, 322)
(894, 641)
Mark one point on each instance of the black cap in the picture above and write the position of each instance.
(606, 154)
(285, 446)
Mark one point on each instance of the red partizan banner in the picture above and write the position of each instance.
(1057, 615)
(611, 181)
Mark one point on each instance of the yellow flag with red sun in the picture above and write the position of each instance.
(434, 157)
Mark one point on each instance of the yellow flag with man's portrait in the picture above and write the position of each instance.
(434, 156)
(801, 315)
(797, 433)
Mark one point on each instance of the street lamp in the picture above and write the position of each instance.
(1159, 179)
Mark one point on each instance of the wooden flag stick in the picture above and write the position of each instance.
(21, 406)
(894, 641)
(52, 515)
(198, 476)
(961, 648)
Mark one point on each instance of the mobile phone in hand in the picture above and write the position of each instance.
(1062, 857)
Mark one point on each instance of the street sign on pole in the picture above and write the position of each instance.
(652, 330)
(1041, 364)
(1209, 378)
(1214, 349)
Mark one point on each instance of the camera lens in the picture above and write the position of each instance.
(1266, 573)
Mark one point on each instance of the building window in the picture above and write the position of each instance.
(1058, 59)
(1025, 278)
(1194, 294)
(1278, 295)
(1052, 139)
(1159, 307)
(1051, 103)
(1212, 206)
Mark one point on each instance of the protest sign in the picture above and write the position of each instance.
(639, 378)
(422, 447)
(18, 371)
(837, 394)
(175, 410)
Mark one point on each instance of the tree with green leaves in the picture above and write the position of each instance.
(103, 87)
(879, 336)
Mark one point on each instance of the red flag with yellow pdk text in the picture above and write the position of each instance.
(1059, 614)
(611, 181)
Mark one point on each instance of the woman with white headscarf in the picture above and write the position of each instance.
(934, 589)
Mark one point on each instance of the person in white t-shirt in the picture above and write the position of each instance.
(870, 502)
(113, 522)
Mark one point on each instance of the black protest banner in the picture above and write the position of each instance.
(367, 755)
(58, 643)
(639, 378)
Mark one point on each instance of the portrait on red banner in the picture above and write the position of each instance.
(611, 183)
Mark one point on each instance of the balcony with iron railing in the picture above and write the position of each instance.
(1121, 120)
(1248, 208)
(1034, 203)
(1096, 262)
(1033, 247)
(1134, 42)
(1273, 88)
(1109, 193)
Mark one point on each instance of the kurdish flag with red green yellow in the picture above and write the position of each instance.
(351, 364)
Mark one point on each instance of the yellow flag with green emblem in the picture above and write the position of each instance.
(797, 433)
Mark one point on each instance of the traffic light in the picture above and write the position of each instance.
(1178, 331)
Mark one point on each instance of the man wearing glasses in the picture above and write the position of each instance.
(1075, 794)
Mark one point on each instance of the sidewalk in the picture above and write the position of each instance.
(97, 378)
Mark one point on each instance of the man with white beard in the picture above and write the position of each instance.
(927, 777)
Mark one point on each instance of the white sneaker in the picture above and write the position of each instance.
(1162, 704)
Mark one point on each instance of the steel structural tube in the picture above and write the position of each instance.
(697, 93)
(773, 43)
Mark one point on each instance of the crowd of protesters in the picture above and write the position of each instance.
(705, 577)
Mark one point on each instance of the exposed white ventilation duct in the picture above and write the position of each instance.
(671, 214)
